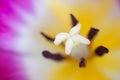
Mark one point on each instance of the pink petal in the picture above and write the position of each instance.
(11, 67)
(11, 61)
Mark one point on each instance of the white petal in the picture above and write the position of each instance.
(75, 29)
(81, 39)
(68, 46)
(61, 37)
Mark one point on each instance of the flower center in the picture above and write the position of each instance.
(75, 44)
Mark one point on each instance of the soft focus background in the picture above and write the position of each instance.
(21, 44)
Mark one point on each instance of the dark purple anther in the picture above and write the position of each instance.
(74, 20)
(47, 37)
(92, 33)
(101, 50)
(47, 54)
(82, 62)
(57, 57)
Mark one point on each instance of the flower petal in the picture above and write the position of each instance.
(81, 39)
(60, 38)
(109, 65)
(71, 71)
(75, 29)
(12, 66)
(68, 46)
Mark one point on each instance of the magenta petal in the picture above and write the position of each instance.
(7, 10)
(8, 15)
(11, 66)
(6, 36)
(6, 5)
(25, 4)
(11, 62)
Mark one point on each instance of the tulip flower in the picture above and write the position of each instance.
(59, 40)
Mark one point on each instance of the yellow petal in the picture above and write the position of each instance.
(110, 61)
(109, 64)
(88, 13)
(71, 71)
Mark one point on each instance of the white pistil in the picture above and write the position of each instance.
(71, 39)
